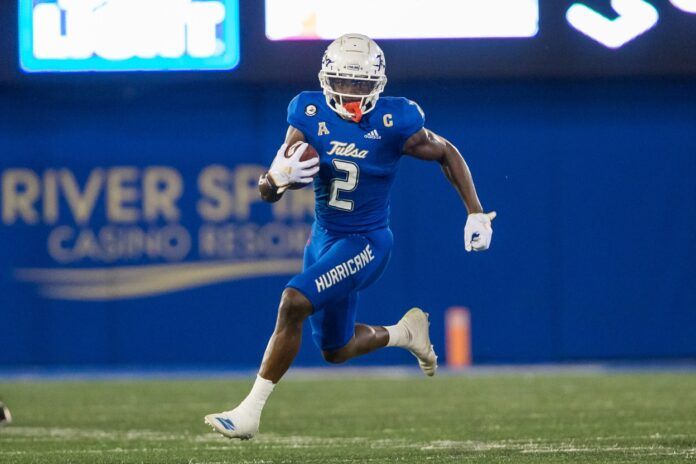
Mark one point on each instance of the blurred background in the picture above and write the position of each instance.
(132, 135)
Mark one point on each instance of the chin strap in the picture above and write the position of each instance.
(355, 110)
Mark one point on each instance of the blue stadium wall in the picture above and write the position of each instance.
(593, 256)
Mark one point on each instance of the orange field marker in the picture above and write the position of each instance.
(458, 337)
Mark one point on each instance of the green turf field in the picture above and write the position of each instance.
(516, 418)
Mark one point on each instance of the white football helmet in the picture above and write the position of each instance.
(353, 73)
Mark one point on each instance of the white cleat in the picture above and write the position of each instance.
(234, 424)
(417, 326)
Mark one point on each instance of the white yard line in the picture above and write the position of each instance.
(211, 441)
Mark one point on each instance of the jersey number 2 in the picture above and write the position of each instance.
(348, 184)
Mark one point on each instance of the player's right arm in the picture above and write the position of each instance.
(268, 185)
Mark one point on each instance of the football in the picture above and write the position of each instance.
(309, 153)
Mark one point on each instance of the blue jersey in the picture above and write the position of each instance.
(358, 160)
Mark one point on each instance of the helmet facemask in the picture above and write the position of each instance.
(351, 96)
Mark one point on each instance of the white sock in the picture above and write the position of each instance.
(398, 335)
(256, 399)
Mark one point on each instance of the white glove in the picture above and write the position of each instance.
(286, 171)
(478, 231)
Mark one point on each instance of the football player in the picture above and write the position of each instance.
(5, 416)
(360, 138)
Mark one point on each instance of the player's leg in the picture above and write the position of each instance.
(331, 285)
(366, 338)
(287, 337)
(243, 421)
(412, 332)
(338, 336)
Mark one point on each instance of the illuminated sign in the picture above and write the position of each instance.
(688, 6)
(635, 18)
(401, 19)
(128, 35)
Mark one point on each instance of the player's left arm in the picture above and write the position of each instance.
(427, 145)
